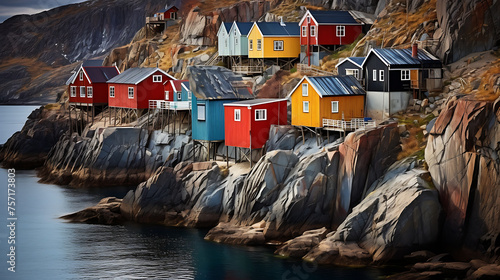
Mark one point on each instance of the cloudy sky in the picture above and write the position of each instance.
(10, 8)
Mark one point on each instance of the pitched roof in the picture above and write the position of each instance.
(276, 29)
(254, 102)
(403, 58)
(226, 25)
(167, 8)
(93, 63)
(355, 60)
(136, 75)
(185, 85)
(215, 82)
(333, 17)
(95, 74)
(333, 85)
(244, 27)
(177, 84)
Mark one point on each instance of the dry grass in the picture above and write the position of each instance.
(34, 67)
(488, 79)
(415, 143)
(290, 10)
(329, 62)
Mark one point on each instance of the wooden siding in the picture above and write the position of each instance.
(374, 63)
(348, 65)
(327, 34)
(223, 41)
(351, 106)
(291, 47)
(255, 35)
(212, 128)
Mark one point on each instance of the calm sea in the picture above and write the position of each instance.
(49, 248)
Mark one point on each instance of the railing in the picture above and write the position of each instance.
(310, 70)
(170, 105)
(212, 59)
(351, 125)
(248, 69)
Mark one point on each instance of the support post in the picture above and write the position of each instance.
(227, 157)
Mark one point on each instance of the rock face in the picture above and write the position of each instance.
(463, 154)
(111, 156)
(29, 148)
(201, 29)
(106, 212)
(466, 27)
(401, 214)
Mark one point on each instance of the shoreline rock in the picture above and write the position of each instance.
(106, 212)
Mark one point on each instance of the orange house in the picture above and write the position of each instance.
(331, 97)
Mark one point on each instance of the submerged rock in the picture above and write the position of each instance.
(299, 246)
(106, 212)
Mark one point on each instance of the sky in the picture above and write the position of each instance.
(10, 8)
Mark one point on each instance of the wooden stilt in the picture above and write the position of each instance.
(227, 156)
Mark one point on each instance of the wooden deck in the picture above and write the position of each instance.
(352, 125)
(245, 70)
(170, 105)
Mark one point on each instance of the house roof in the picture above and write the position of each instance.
(243, 27)
(226, 26)
(167, 8)
(355, 60)
(177, 84)
(333, 17)
(276, 29)
(136, 75)
(215, 82)
(185, 85)
(95, 74)
(403, 58)
(254, 102)
(333, 85)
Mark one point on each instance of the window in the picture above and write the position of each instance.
(278, 45)
(157, 78)
(304, 31)
(308, 19)
(305, 90)
(166, 95)
(73, 91)
(131, 93)
(90, 92)
(374, 75)
(172, 15)
(237, 115)
(189, 95)
(335, 106)
(352, 72)
(236, 41)
(82, 91)
(225, 42)
(111, 91)
(261, 115)
(341, 31)
(81, 75)
(305, 106)
(201, 112)
(381, 75)
(179, 96)
(405, 75)
(313, 30)
(250, 45)
(259, 44)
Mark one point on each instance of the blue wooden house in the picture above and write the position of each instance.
(223, 39)
(186, 91)
(238, 38)
(212, 87)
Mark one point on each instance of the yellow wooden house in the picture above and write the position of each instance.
(274, 40)
(315, 99)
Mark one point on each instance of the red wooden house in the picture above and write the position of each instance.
(247, 123)
(325, 30)
(88, 85)
(169, 12)
(173, 89)
(136, 86)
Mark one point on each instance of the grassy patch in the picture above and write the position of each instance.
(329, 62)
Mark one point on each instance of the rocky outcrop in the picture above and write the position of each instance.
(200, 28)
(111, 156)
(106, 212)
(400, 215)
(28, 149)
(466, 27)
(299, 246)
(463, 154)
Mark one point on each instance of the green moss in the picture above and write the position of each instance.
(293, 70)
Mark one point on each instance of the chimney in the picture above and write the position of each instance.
(414, 50)
(281, 22)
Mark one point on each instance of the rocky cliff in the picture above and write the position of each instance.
(44, 42)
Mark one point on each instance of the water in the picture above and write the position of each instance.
(13, 119)
(50, 248)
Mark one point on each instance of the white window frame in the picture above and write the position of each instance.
(341, 31)
(304, 31)
(259, 44)
(305, 105)
(250, 44)
(81, 75)
(172, 15)
(374, 75)
(306, 87)
(381, 75)
(72, 91)
(313, 31)
(112, 92)
(237, 115)
(335, 106)
(157, 78)
(166, 94)
(189, 95)
(201, 117)
(179, 95)
(352, 72)
(279, 45)
(131, 96)
(82, 91)
(261, 114)
(405, 75)
(90, 92)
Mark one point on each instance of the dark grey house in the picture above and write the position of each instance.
(351, 66)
